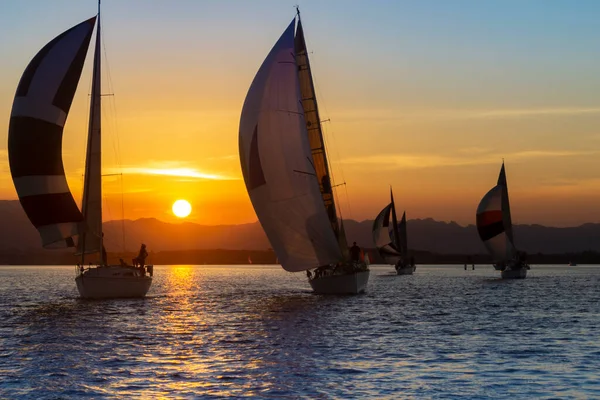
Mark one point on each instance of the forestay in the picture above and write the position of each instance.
(276, 162)
(40, 108)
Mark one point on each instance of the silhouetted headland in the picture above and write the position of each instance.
(433, 242)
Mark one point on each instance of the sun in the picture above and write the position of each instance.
(182, 208)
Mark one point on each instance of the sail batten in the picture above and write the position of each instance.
(277, 166)
(40, 109)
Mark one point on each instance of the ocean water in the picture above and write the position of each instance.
(257, 331)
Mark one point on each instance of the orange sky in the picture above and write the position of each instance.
(433, 121)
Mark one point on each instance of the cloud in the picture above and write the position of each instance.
(475, 150)
(170, 168)
(462, 114)
(478, 157)
(228, 157)
(531, 112)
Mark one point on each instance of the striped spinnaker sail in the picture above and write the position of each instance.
(494, 223)
(40, 108)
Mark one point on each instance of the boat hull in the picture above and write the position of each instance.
(405, 271)
(112, 282)
(520, 273)
(352, 283)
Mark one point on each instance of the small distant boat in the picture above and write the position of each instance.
(494, 226)
(391, 241)
(572, 264)
(40, 109)
(286, 172)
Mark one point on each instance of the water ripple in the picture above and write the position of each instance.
(256, 331)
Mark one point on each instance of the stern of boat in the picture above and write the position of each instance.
(405, 270)
(106, 282)
(349, 283)
(520, 273)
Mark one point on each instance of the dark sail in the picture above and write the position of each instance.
(38, 116)
(395, 234)
(506, 219)
(403, 236)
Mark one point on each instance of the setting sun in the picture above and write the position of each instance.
(182, 208)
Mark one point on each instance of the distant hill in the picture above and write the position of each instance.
(18, 235)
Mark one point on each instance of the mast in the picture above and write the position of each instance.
(505, 205)
(396, 236)
(313, 127)
(91, 238)
(403, 236)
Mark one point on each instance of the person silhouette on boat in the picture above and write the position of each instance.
(140, 260)
(355, 252)
(399, 263)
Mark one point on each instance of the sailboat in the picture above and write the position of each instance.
(494, 226)
(392, 244)
(286, 171)
(40, 109)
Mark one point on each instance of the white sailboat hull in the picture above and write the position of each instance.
(112, 282)
(352, 283)
(520, 273)
(407, 270)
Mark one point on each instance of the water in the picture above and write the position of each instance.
(214, 332)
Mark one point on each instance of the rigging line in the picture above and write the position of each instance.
(113, 108)
(122, 216)
(116, 142)
(107, 69)
(323, 104)
(335, 193)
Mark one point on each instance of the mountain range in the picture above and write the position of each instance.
(18, 235)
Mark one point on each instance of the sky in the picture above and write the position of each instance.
(426, 96)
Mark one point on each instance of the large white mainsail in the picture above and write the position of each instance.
(276, 162)
(494, 223)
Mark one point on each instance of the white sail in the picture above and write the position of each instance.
(276, 163)
(493, 225)
(382, 236)
(381, 233)
(91, 238)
